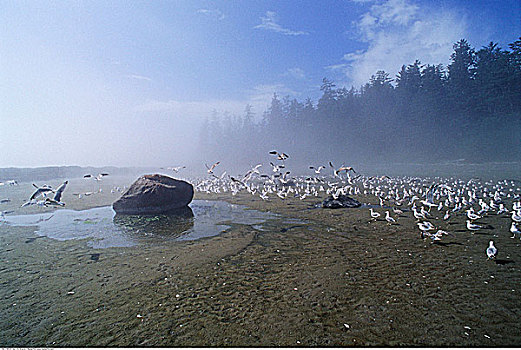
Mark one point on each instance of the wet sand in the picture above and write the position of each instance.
(325, 278)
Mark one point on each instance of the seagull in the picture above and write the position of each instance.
(472, 216)
(473, 227)
(210, 169)
(3, 213)
(347, 169)
(280, 156)
(96, 178)
(491, 250)
(237, 181)
(388, 217)
(249, 174)
(176, 169)
(276, 168)
(398, 211)
(374, 215)
(56, 200)
(514, 230)
(418, 215)
(40, 191)
(516, 216)
(426, 226)
(317, 170)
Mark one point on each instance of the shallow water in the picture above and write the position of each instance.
(104, 229)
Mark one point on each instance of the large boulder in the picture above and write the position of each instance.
(154, 194)
(342, 201)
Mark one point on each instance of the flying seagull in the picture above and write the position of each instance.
(96, 178)
(175, 169)
(280, 156)
(317, 170)
(210, 168)
(40, 191)
(56, 200)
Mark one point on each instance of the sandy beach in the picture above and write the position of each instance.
(309, 277)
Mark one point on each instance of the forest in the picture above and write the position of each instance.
(469, 111)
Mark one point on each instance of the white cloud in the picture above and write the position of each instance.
(212, 13)
(138, 77)
(296, 73)
(270, 23)
(399, 32)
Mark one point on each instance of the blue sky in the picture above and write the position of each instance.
(128, 82)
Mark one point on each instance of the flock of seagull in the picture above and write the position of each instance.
(432, 202)
(46, 196)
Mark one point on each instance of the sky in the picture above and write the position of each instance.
(127, 83)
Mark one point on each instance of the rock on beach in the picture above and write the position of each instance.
(154, 194)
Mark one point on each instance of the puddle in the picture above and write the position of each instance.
(104, 229)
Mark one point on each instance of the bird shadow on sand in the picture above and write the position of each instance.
(445, 244)
(504, 261)
(286, 229)
(32, 239)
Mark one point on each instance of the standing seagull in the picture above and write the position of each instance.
(389, 218)
(491, 250)
(374, 215)
(57, 196)
(473, 227)
(514, 230)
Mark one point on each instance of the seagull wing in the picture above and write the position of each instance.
(430, 193)
(40, 191)
(59, 191)
(35, 194)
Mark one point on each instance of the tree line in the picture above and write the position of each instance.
(469, 110)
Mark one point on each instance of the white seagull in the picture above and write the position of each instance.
(491, 250)
(56, 200)
(473, 227)
(515, 231)
(388, 217)
(374, 215)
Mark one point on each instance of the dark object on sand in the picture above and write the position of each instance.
(343, 201)
(154, 194)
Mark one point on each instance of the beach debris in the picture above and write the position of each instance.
(341, 201)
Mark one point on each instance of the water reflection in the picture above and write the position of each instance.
(103, 228)
(173, 224)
